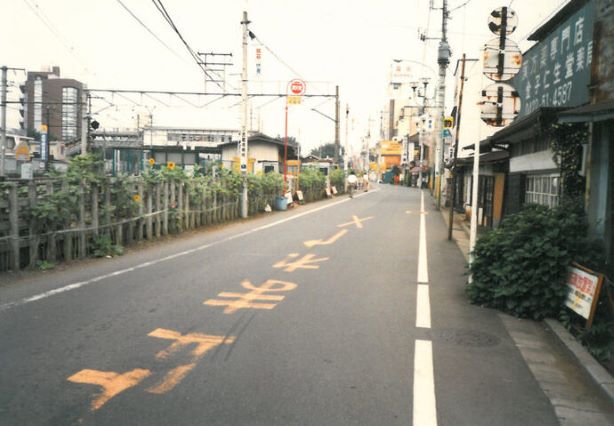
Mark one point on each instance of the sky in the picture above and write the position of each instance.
(350, 43)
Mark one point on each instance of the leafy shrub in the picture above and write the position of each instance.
(521, 267)
(312, 183)
(337, 179)
(103, 246)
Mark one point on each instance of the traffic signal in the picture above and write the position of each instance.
(448, 122)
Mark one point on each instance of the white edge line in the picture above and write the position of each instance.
(80, 284)
(423, 308)
(424, 406)
(423, 271)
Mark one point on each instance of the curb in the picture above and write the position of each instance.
(600, 376)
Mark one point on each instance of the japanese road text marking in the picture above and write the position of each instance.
(248, 300)
(306, 262)
(355, 221)
(331, 240)
(112, 383)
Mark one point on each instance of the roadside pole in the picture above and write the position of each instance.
(443, 58)
(456, 137)
(337, 142)
(243, 143)
(3, 141)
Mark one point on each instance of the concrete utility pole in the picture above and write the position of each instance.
(85, 122)
(3, 141)
(456, 136)
(345, 151)
(443, 59)
(243, 143)
(337, 141)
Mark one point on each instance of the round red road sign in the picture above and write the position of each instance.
(297, 87)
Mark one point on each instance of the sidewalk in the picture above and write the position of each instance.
(580, 390)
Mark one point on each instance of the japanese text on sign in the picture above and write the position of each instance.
(556, 71)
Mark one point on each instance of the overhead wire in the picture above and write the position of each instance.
(150, 31)
(35, 8)
(160, 6)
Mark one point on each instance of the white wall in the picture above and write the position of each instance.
(537, 161)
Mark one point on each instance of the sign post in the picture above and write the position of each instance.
(294, 91)
(44, 144)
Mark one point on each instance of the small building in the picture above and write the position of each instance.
(265, 154)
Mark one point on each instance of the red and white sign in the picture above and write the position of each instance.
(583, 292)
(297, 87)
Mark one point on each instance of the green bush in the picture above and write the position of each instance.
(337, 179)
(521, 266)
(312, 183)
(103, 246)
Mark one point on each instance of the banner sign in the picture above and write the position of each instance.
(556, 71)
(583, 288)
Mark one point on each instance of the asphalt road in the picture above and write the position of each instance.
(321, 315)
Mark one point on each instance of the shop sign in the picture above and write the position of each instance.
(583, 288)
(556, 71)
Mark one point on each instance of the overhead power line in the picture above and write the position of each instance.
(33, 6)
(150, 31)
(160, 6)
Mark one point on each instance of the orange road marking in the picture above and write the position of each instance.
(203, 342)
(331, 240)
(306, 262)
(356, 221)
(172, 379)
(112, 383)
(248, 300)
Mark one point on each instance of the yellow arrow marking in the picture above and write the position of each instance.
(356, 221)
(331, 240)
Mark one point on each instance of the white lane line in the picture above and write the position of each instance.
(423, 271)
(425, 408)
(423, 308)
(80, 284)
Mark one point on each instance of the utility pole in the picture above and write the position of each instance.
(243, 143)
(345, 151)
(337, 142)
(443, 59)
(456, 136)
(3, 141)
(85, 123)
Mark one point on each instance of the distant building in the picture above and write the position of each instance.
(54, 101)
(265, 154)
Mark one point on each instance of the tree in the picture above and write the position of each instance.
(326, 150)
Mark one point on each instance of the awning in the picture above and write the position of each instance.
(527, 127)
(522, 129)
(486, 158)
(589, 113)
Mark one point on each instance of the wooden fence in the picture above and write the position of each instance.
(160, 208)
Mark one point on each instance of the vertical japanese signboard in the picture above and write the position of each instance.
(44, 142)
(556, 71)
